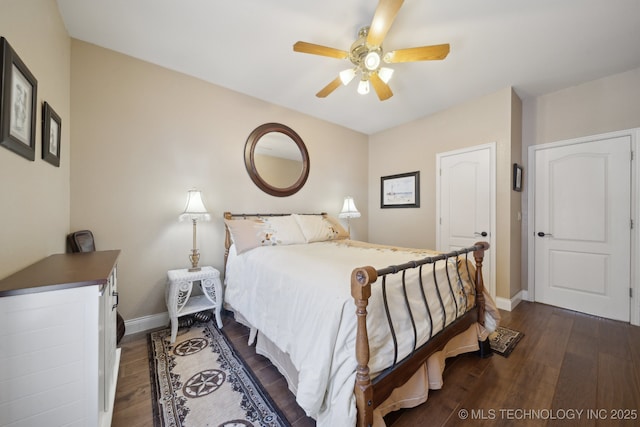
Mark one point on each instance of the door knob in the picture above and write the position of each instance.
(543, 234)
(483, 234)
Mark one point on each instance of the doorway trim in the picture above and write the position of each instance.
(634, 134)
(492, 172)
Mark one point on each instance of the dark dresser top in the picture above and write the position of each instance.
(61, 271)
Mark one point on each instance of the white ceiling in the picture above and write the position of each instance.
(536, 46)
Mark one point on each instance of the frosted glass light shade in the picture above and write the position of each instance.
(347, 75)
(385, 74)
(363, 87)
(349, 209)
(372, 61)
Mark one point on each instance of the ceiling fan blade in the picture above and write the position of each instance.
(316, 49)
(424, 53)
(382, 89)
(329, 88)
(382, 19)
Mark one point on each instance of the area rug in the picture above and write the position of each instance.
(504, 340)
(201, 381)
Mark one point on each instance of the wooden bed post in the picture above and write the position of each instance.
(361, 280)
(485, 348)
(227, 240)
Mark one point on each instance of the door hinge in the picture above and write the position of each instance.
(630, 292)
(632, 224)
(632, 155)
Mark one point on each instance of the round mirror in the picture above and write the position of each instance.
(276, 159)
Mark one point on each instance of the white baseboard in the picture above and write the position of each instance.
(146, 323)
(510, 304)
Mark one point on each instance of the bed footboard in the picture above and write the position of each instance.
(369, 394)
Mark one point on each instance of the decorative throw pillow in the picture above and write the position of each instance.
(317, 228)
(265, 231)
(246, 234)
(282, 230)
(337, 227)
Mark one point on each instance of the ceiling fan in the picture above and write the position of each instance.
(367, 55)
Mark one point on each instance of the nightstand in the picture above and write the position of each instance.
(179, 299)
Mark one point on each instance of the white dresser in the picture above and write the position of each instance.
(58, 355)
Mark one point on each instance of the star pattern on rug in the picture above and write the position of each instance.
(236, 423)
(190, 346)
(204, 383)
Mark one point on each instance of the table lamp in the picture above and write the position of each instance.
(349, 211)
(194, 210)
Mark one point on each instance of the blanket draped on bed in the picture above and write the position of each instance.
(299, 297)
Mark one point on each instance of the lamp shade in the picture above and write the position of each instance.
(349, 209)
(385, 74)
(347, 75)
(372, 61)
(195, 208)
(363, 87)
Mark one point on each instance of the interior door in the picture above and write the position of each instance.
(466, 203)
(582, 226)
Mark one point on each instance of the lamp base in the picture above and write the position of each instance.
(191, 270)
(194, 258)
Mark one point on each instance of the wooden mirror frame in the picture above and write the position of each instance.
(250, 164)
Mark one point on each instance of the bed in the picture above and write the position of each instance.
(357, 329)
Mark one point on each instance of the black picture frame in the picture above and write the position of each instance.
(517, 177)
(51, 133)
(18, 97)
(400, 191)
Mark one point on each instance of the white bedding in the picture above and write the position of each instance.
(299, 297)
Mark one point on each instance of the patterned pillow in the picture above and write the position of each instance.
(317, 228)
(247, 234)
(283, 230)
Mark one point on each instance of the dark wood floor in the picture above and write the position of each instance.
(570, 369)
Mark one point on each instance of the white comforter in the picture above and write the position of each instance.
(299, 296)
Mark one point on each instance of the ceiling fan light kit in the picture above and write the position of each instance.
(367, 56)
(363, 87)
(385, 74)
(347, 75)
(372, 61)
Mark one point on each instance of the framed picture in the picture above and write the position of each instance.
(51, 132)
(18, 95)
(400, 191)
(517, 177)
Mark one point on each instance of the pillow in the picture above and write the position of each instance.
(245, 233)
(283, 230)
(317, 228)
(264, 231)
(337, 227)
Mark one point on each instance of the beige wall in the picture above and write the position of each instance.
(604, 105)
(515, 220)
(34, 196)
(143, 135)
(413, 147)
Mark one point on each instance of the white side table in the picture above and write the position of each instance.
(179, 299)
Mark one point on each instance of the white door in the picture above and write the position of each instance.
(466, 203)
(582, 226)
